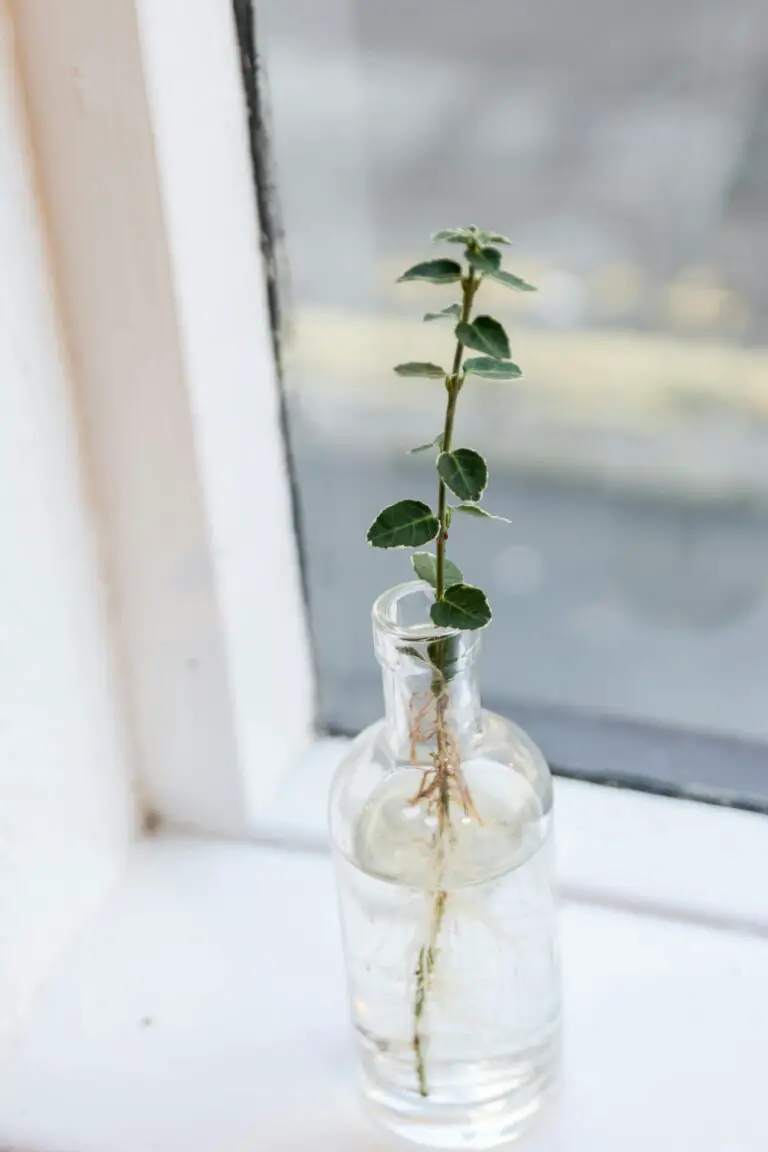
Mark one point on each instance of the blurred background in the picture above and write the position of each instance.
(625, 148)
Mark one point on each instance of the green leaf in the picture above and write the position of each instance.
(420, 368)
(476, 510)
(409, 650)
(495, 238)
(451, 310)
(464, 471)
(485, 334)
(436, 443)
(435, 271)
(486, 260)
(445, 656)
(407, 524)
(448, 516)
(425, 567)
(463, 607)
(451, 236)
(492, 369)
(512, 281)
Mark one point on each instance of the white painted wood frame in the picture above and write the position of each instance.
(139, 120)
(155, 661)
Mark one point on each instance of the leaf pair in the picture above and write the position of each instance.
(462, 605)
(486, 335)
(449, 272)
(486, 366)
(411, 523)
(485, 260)
(471, 235)
(481, 254)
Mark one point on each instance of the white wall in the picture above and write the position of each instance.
(139, 122)
(66, 810)
(84, 81)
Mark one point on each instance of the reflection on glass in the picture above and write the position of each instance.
(625, 146)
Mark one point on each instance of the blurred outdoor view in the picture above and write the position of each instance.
(624, 145)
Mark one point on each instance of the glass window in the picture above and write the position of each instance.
(625, 147)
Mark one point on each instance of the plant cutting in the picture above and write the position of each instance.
(440, 814)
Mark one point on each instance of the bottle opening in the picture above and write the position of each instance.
(403, 629)
(404, 611)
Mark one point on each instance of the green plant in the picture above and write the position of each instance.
(412, 523)
(462, 471)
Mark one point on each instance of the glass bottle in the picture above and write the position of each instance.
(441, 827)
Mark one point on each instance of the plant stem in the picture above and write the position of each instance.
(469, 287)
(447, 765)
(424, 970)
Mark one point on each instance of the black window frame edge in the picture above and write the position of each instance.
(271, 239)
(614, 751)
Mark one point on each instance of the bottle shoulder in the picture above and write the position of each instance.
(498, 741)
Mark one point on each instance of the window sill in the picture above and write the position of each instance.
(204, 1008)
(675, 859)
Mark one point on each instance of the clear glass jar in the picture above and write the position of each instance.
(441, 826)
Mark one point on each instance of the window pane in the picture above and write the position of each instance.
(625, 146)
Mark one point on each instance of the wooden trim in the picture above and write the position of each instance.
(140, 131)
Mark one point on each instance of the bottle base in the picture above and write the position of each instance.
(497, 1120)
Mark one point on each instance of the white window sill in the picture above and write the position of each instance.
(203, 1009)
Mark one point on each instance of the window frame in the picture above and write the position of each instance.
(166, 322)
(218, 337)
(228, 348)
(257, 776)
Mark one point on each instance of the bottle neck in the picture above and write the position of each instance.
(412, 701)
(429, 676)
